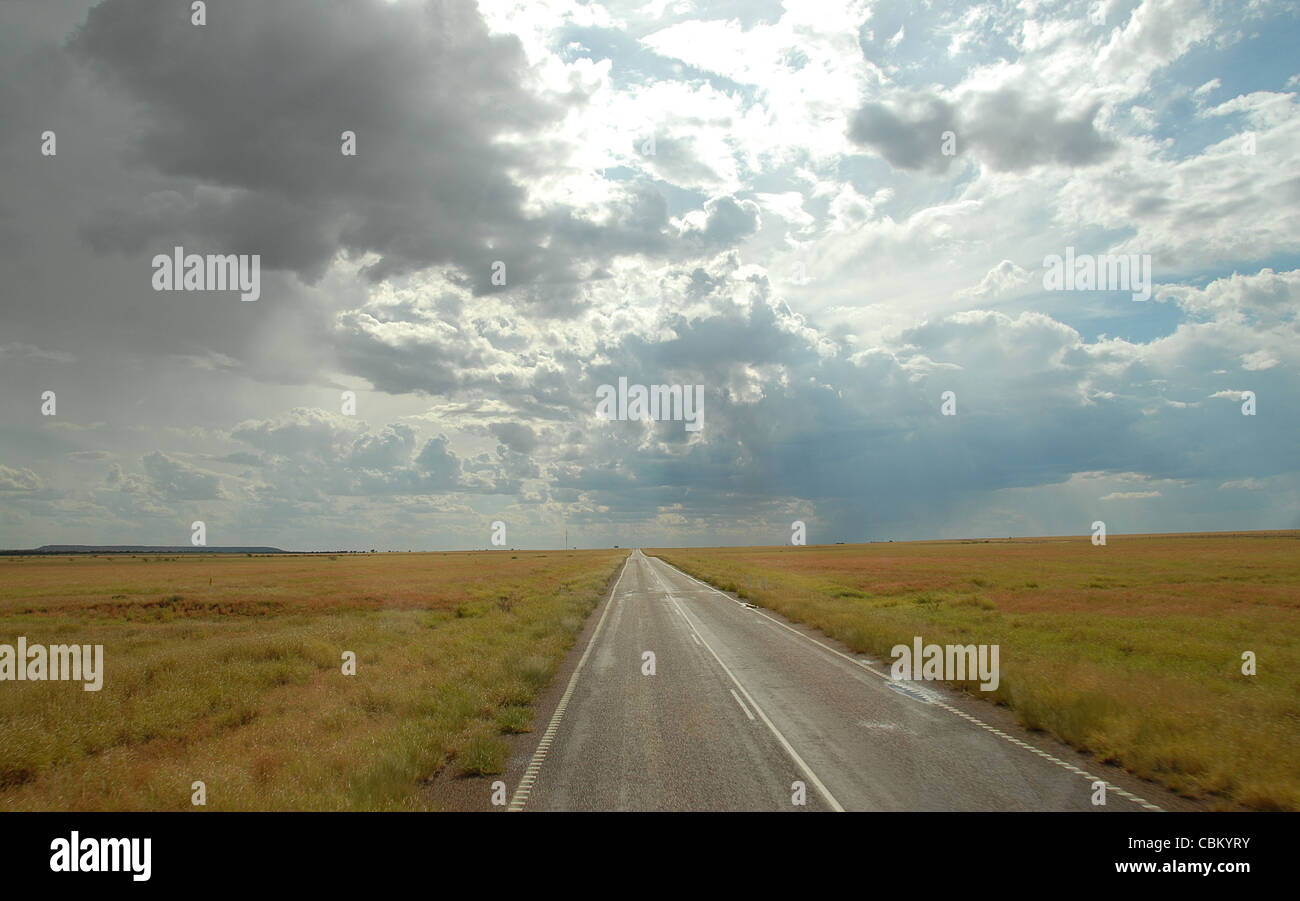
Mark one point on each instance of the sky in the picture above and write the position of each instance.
(826, 215)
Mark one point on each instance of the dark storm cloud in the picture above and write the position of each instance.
(225, 138)
(1006, 128)
(245, 115)
(254, 102)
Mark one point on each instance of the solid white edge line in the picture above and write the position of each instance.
(525, 787)
(938, 702)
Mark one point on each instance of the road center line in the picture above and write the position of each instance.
(789, 749)
(740, 702)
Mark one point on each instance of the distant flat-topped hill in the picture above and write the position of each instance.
(63, 549)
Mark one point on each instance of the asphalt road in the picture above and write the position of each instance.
(742, 709)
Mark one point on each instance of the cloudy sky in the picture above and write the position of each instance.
(756, 197)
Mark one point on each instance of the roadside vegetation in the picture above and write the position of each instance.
(228, 670)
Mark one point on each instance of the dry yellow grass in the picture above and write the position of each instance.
(229, 670)
(1132, 651)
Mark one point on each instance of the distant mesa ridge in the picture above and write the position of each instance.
(64, 549)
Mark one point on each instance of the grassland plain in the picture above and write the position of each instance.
(1131, 651)
(229, 670)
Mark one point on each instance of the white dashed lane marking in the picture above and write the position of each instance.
(741, 703)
